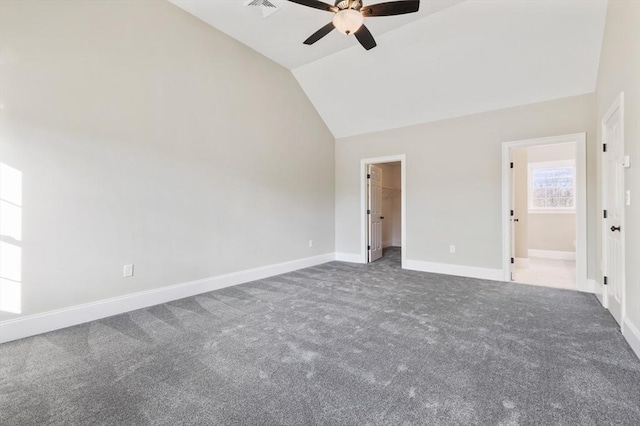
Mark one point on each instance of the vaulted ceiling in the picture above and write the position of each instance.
(452, 58)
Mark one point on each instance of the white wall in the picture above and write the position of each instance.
(553, 152)
(620, 72)
(453, 179)
(552, 232)
(145, 136)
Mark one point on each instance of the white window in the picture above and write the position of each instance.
(552, 187)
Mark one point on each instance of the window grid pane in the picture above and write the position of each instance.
(553, 188)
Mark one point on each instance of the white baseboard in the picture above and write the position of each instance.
(598, 291)
(522, 262)
(588, 286)
(349, 257)
(390, 244)
(631, 333)
(552, 254)
(48, 321)
(459, 270)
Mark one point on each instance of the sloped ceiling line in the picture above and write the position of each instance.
(452, 58)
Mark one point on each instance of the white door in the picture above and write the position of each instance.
(613, 203)
(512, 218)
(374, 210)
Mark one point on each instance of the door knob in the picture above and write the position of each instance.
(615, 228)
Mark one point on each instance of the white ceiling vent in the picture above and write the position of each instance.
(266, 7)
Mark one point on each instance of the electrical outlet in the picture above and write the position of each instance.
(128, 271)
(452, 249)
(310, 243)
(626, 162)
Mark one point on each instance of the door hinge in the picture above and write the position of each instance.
(511, 165)
(513, 260)
(368, 176)
(368, 247)
(605, 280)
(511, 212)
(604, 147)
(368, 211)
(604, 214)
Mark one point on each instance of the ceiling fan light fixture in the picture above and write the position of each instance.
(348, 21)
(349, 15)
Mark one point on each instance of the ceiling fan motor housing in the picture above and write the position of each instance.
(348, 4)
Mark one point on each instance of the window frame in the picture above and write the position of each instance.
(549, 164)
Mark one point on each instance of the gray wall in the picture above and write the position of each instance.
(454, 179)
(145, 136)
(619, 72)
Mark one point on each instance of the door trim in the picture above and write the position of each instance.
(582, 284)
(402, 158)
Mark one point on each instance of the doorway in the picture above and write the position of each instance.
(544, 221)
(544, 212)
(383, 206)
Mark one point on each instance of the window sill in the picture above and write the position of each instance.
(552, 211)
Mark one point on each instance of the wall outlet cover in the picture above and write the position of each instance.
(128, 271)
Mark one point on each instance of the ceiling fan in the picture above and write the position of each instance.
(349, 17)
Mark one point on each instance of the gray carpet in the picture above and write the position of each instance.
(334, 344)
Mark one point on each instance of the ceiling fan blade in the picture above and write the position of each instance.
(320, 33)
(391, 8)
(365, 38)
(317, 5)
